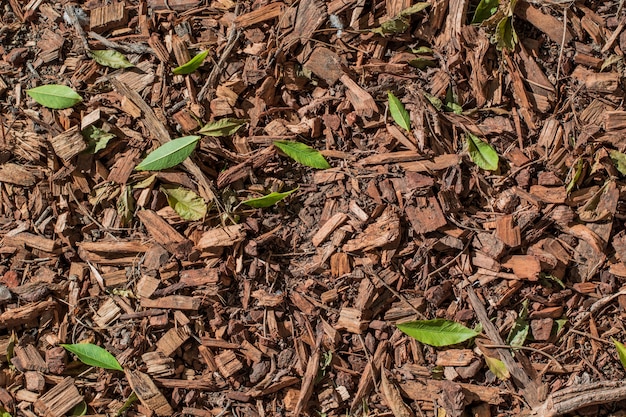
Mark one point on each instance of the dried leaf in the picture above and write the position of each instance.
(481, 153)
(437, 332)
(400, 23)
(268, 200)
(497, 367)
(111, 58)
(303, 154)
(185, 202)
(576, 175)
(398, 112)
(94, 355)
(55, 96)
(222, 127)
(126, 205)
(169, 154)
(619, 159)
(392, 396)
(191, 65)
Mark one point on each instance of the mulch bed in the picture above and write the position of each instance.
(292, 309)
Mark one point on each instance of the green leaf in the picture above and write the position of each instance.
(619, 159)
(185, 202)
(191, 65)
(169, 154)
(4, 413)
(303, 154)
(126, 205)
(398, 112)
(267, 200)
(222, 127)
(132, 398)
(80, 409)
(519, 332)
(621, 352)
(421, 63)
(96, 138)
(485, 9)
(435, 101)
(497, 367)
(111, 58)
(506, 37)
(94, 355)
(481, 153)
(55, 96)
(400, 23)
(437, 332)
(576, 175)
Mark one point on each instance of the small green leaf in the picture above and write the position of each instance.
(80, 409)
(185, 202)
(485, 9)
(191, 65)
(422, 50)
(497, 367)
(621, 352)
(126, 205)
(481, 153)
(111, 58)
(169, 154)
(576, 175)
(4, 413)
(268, 200)
(398, 112)
(96, 138)
(393, 26)
(94, 355)
(519, 332)
(619, 159)
(132, 398)
(222, 127)
(435, 101)
(303, 154)
(416, 8)
(421, 63)
(437, 332)
(506, 37)
(55, 96)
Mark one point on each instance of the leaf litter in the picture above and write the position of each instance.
(502, 173)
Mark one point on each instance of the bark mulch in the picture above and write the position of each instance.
(292, 309)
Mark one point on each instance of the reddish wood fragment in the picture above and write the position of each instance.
(426, 216)
(228, 364)
(25, 239)
(264, 13)
(222, 236)
(176, 302)
(524, 266)
(111, 16)
(602, 82)
(28, 358)
(148, 393)
(16, 174)
(308, 382)
(351, 320)
(385, 231)
(59, 400)
(329, 227)
(164, 234)
(546, 23)
(173, 339)
(508, 232)
(22, 315)
(158, 364)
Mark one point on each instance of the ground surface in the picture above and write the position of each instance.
(291, 309)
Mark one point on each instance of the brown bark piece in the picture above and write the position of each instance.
(508, 232)
(437, 164)
(554, 195)
(264, 13)
(222, 236)
(28, 358)
(329, 227)
(59, 400)
(25, 239)
(158, 364)
(68, 144)
(164, 234)
(111, 16)
(546, 23)
(228, 364)
(148, 393)
(107, 313)
(175, 302)
(173, 339)
(524, 266)
(455, 357)
(325, 64)
(16, 174)
(306, 389)
(383, 232)
(176, 5)
(602, 82)
(426, 216)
